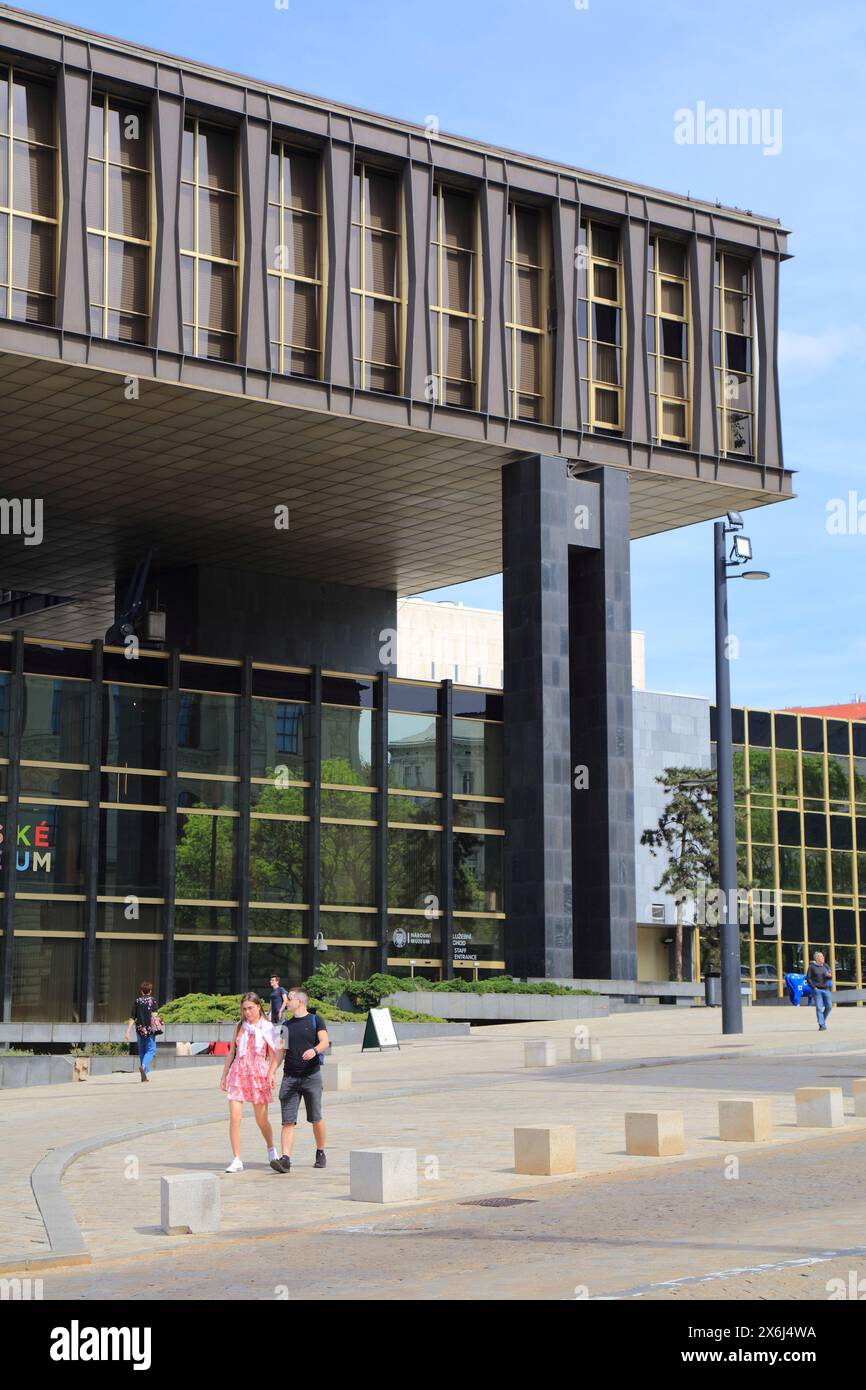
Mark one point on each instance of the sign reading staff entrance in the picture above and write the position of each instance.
(379, 1031)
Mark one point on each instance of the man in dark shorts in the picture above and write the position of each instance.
(304, 1039)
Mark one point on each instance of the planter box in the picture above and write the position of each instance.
(500, 1008)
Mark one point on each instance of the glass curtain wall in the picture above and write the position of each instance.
(800, 794)
(166, 830)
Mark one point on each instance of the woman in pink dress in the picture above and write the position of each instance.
(245, 1075)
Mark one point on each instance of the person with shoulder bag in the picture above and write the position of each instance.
(247, 1075)
(147, 1024)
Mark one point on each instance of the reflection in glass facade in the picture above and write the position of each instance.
(208, 848)
(800, 794)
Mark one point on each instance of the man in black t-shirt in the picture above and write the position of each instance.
(278, 1001)
(303, 1039)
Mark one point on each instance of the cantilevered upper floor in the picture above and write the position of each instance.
(373, 289)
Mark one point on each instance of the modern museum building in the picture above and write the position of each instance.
(268, 364)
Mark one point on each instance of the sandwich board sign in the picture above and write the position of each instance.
(379, 1031)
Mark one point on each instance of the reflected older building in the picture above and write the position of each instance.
(267, 363)
(203, 823)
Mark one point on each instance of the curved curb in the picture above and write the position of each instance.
(67, 1244)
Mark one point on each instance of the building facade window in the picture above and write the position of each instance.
(209, 241)
(295, 262)
(454, 297)
(526, 287)
(733, 355)
(28, 198)
(377, 280)
(668, 341)
(600, 327)
(118, 220)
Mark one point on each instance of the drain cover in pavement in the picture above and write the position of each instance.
(499, 1202)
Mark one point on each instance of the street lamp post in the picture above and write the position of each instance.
(741, 553)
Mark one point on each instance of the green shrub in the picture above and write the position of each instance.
(328, 981)
(410, 1016)
(226, 1008)
(502, 984)
(100, 1049)
(17, 1052)
(366, 994)
(202, 1008)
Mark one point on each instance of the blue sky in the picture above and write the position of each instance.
(598, 87)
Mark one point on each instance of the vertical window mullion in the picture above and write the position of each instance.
(195, 236)
(440, 258)
(657, 301)
(105, 210)
(10, 140)
(281, 283)
(362, 253)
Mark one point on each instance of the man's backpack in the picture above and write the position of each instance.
(318, 1024)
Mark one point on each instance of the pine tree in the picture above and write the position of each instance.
(687, 833)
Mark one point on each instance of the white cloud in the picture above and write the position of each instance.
(815, 352)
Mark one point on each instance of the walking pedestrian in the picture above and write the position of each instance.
(819, 979)
(278, 1001)
(247, 1075)
(147, 1023)
(303, 1041)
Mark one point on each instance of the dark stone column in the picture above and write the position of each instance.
(602, 811)
(537, 729)
(567, 631)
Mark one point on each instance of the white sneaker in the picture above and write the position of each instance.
(236, 1166)
(272, 1153)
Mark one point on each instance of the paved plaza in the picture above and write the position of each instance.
(455, 1101)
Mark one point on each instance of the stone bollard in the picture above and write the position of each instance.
(539, 1054)
(336, 1076)
(383, 1175)
(860, 1096)
(654, 1133)
(587, 1051)
(545, 1149)
(190, 1203)
(183, 1049)
(819, 1107)
(80, 1068)
(750, 1120)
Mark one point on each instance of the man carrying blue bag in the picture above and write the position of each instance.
(304, 1041)
(819, 979)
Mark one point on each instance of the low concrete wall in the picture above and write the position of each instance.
(25, 1034)
(646, 989)
(48, 1070)
(500, 1008)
